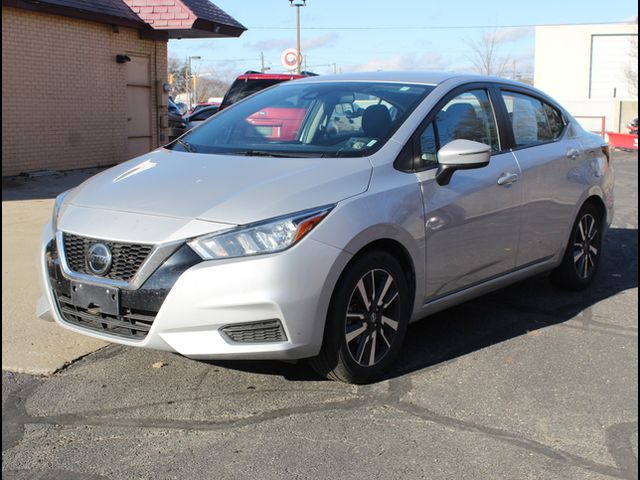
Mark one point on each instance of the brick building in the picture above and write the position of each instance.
(82, 81)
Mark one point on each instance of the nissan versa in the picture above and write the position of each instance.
(365, 202)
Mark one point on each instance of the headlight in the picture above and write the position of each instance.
(56, 209)
(270, 236)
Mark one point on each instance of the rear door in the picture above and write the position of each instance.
(550, 156)
(472, 224)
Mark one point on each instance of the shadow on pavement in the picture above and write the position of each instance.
(502, 315)
(45, 186)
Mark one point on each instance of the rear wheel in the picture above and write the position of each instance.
(367, 320)
(582, 256)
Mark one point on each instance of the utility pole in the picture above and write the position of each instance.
(335, 69)
(186, 79)
(298, 4)
(190, 79)
(262, 61)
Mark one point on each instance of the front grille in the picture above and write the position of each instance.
(126, 257)
(256, 332)
(133, 324)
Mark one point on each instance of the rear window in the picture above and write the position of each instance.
(243, 88)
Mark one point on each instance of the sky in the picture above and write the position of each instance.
(369, 35)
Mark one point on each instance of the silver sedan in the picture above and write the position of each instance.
(266, 234)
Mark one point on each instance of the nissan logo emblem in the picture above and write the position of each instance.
(99, 259)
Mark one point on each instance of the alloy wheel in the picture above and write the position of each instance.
(586, 246)
(372, 317)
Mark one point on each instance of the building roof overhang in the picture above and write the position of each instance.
(174, 19)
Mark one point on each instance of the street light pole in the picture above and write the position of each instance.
(189, 93)
(298, 4)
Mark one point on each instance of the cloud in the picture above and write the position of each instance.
(310, 43)
(319, 41)
(407, 61)
(513, 34)
(271, 44)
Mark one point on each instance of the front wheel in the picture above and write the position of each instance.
(367, 320)
(582, 256)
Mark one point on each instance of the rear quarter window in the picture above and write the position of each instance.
(533, 121)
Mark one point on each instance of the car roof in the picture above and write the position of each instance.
(426, 78)
(269, 76)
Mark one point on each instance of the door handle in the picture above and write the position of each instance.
(507, 179)
(572, 153)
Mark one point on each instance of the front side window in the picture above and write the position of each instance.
(469, 116)
(533, 121)
(294, 119)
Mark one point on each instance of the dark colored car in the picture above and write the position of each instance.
(177, 123)
(200, 106)
(199, 115)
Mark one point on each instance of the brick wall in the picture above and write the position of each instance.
(64, 97)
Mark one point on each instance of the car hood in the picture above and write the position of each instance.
(224, 189)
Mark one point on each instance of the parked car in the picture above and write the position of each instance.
(177, 123)
(233, 243)
(182, 108)
(199, 116)
(200, 106)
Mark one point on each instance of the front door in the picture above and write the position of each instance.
(138, 106)
(472, 224)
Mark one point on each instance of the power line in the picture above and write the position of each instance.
(447, 27)
(230, 59)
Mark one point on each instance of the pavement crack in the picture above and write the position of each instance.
(14, 414)
(521, 442)
(177, 424)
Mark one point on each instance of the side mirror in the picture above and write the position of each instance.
(461, 155)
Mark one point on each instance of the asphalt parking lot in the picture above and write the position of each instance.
(525, 383)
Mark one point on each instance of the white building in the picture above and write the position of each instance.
(587, 68)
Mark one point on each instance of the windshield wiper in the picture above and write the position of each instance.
(186, 145)
(268, 153)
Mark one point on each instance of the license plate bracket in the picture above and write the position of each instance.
(105, 299)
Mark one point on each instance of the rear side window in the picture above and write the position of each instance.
(556, 122)
(533, 121)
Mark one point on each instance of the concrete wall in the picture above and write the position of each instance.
(64, 97)
(567, 68)
(563, 58)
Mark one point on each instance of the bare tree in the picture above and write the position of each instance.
(631, 70)
(178, 74)
(486, 57)
(210, 87)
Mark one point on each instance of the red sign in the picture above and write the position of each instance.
(290, 59)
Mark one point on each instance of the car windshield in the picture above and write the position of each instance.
(323, 119)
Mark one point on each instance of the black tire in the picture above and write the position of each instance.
(584, 249)
(349, 353)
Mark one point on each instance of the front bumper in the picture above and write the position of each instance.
(293, 287)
